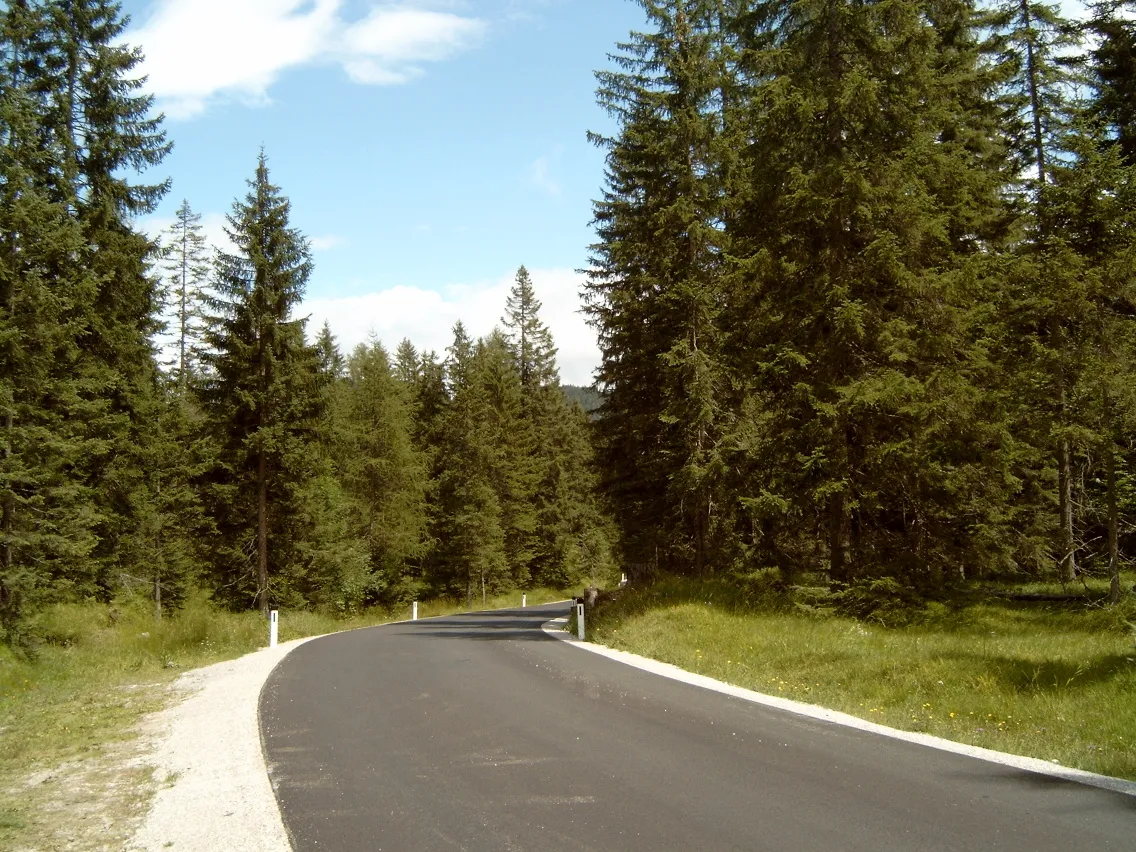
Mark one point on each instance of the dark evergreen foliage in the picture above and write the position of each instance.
(846, 287)
(382, 473)
(81, 305)
(47, 517)
(1113, 72)
(262, 397)
(863, 290)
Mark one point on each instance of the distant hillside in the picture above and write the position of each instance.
(588, 398)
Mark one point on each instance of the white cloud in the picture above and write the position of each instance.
(398, 35)
(427, 317)
(327, 242)
(200, 50)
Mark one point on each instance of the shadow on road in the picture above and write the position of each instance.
(518, 624)
(1023, 778)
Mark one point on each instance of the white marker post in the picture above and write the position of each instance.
(414, 612)
(580, 621)
(524, 601)
(273, 627)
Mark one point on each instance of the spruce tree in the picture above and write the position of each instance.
(467, 521)
(382, 472)
(653, 289)
(1095, 213)
(1035, 43)
(529, 343)
(164, 551)
(407, 366)
(1113, 71)
(528, 337)
(514, 459)
(575, 537)
(47, 515)
(100, 125)
(429, 399)
(564, 537)
(331, 362)
(847, 326)
(187, 270)
(1084, 237)
(260, 392)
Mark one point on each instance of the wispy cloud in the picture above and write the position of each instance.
(199, 51)
(213, 227)
(387, 46)
(540, 176)
(427, 317)
(327, 242)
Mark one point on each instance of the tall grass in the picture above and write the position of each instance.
(1057, 682)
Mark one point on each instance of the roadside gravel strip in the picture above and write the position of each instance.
(213, 791)
(556, 627)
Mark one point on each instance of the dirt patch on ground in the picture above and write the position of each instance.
(90, 804)
(190, 777)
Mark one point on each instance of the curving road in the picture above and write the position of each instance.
(481, 733)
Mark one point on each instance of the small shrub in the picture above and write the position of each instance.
(883, 601)
(67, 624)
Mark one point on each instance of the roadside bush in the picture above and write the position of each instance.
(883, 601)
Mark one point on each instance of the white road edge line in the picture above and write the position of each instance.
(555, 628)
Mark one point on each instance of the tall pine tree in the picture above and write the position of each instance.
(47, 515)
(653, 289)
(261, 392)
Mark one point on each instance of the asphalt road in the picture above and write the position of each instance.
(481, 733)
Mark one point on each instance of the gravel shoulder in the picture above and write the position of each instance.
(213, 788)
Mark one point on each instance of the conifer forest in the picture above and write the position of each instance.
(863, 279)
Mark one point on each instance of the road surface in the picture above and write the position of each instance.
(481, 733)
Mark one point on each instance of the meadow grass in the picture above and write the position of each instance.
(1052, 681)
(70, 710)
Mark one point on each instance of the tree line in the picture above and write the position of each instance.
(863, 282)
(863, 285)
(249, 458)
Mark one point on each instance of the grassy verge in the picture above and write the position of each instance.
(1052, 681)
(69, 716)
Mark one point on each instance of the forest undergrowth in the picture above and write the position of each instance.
(1044, 679)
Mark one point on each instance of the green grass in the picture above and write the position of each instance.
(1056, 682)
(70, 713)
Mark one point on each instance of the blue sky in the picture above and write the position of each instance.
(429, 147)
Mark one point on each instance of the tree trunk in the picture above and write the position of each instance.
(262, 534)
(8, 500)
(158, 553)
(183, 381)
(7, 518)
(838, 539)
(1068, 565)
(1113, 526)
(702, 533)
(1035, 98)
